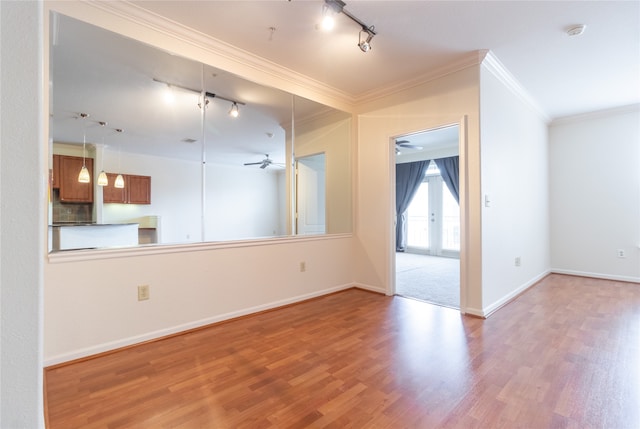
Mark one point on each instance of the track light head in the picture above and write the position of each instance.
(233, 112)
(335, 5)
(329, 10)
(365, 37)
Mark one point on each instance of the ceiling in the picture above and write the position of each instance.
(124, 83)
(95, 70)
(564, 75)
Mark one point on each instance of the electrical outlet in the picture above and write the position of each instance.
(518, 261)
(143, 292)
(303, 267)
(621, 253)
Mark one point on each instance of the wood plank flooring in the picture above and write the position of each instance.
(565, 354)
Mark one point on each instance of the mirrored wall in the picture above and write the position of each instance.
(190, 153)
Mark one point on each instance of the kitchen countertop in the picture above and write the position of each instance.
(89, 224)
(70, 236)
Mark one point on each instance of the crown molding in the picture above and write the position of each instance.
(267, 72)
(614, 111)
(470, 59)
(493, 65)
(289, 80)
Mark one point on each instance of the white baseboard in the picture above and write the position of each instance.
(597, 275)
(371, 288)
(475, 312)
(113, 345)
(487, 310)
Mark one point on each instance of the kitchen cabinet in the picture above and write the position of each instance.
(137, 190)
(111, 194)
(55, 175)
(72, 191)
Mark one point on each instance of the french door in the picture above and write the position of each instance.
(434, 219)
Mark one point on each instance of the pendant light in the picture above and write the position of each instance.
(119, 183)
(84, 176)
(103, 180)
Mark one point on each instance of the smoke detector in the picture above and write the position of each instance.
(576, 30)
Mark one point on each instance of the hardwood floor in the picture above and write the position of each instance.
(565, 354)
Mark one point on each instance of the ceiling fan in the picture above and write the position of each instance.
(264, 163)
(406, 144)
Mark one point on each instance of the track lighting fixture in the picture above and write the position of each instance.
(329, 10)
(233, 112)
(364, 39)
(334, 7)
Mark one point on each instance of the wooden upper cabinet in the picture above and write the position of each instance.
(72, 191)
(137, 190)
(55, 175)
(111, 194)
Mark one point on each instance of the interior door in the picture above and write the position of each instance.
(310, 195)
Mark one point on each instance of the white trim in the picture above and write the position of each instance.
(596, 275)
(489, 309)
(463, 143)
(631, 108)
(475, 312)
(293, 81)
(128, 252)
(370, 288)
(116, 344)
(493, 65)
(469, 60)
(289, 80)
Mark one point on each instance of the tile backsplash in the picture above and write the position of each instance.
(70, 212)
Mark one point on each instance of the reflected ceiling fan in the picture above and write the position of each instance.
(264, 163)
(405, 144)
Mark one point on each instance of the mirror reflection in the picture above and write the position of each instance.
(200, 154)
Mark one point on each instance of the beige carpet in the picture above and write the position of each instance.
(432, 279)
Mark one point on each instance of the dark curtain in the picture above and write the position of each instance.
(449, 170)
(408, 179)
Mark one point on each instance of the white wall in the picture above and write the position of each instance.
(595, 194)
(22, 214)
(448, 100)
(175, 195)
(91, 300)
(513, 136)
(241, 202)
(90, 296)
(331, 134)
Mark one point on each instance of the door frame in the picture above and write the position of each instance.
(297, 187)
(464, 210)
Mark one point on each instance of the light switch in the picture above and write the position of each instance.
(487, 201)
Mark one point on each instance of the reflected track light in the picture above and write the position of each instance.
(234, 106)
(234, 110)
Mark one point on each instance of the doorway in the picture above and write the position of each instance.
(310, 201)
(427, 244)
